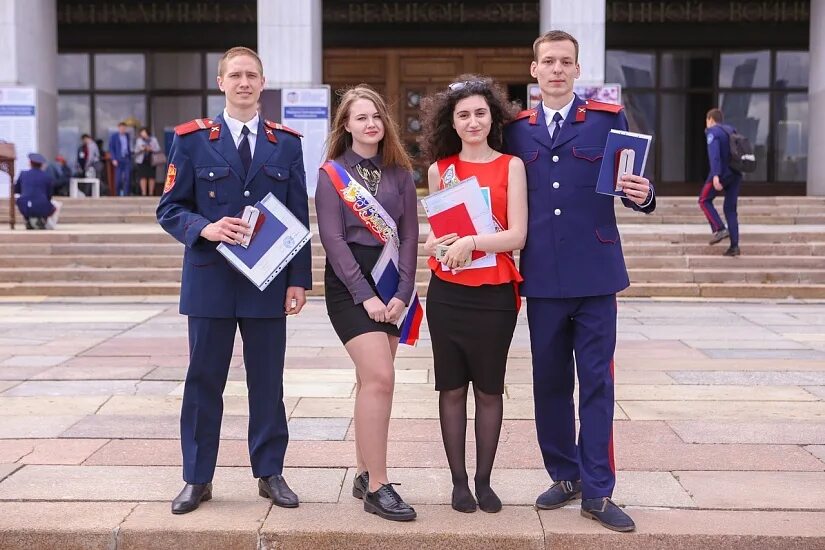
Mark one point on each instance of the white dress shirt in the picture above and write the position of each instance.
(548, 115)
(235, 126)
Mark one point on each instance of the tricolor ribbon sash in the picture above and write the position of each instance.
(376, 219)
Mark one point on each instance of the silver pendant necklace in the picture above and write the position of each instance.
(371, 177)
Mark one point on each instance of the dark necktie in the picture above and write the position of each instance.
(556, 128)
(244, 150)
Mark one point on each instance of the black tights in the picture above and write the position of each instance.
(452, 408)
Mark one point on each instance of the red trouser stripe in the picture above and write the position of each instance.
(705, 209)
(610, 445)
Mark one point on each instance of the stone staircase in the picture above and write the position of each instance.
(113, 246)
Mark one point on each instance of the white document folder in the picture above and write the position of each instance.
(279, 238)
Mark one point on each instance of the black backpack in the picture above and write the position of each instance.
(742, 157)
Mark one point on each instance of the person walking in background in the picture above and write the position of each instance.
(60, 173)
(145, 146)
(721, 179)
(364, 147)
(121, 152)
(573, 267)
(88, 157)
(472, 312)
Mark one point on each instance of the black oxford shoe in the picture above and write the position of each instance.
(276, 489)
(191, 497)
(388, 504)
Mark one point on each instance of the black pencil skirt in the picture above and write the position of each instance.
(471, 329)
(348, 318)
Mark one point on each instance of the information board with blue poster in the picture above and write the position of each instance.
(307, 110)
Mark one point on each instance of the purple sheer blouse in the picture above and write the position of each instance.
(338, 226)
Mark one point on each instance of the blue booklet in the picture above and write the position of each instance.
(387, 283)
(278, 237)
(624, 153)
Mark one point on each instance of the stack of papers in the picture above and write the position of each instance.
(462, 209)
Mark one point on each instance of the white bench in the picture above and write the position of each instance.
(73, 186)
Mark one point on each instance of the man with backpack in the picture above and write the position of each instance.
(723, 177)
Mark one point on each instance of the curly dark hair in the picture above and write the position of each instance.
(439, 139)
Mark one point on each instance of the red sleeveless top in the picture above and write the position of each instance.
(495, 175)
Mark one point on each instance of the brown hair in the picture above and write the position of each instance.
(439, 139)
(235, 52)
(392, 152)
(554, 36)
(716, 115)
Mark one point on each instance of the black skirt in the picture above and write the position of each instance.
(471, 329)
(348, 318)
(145, 168)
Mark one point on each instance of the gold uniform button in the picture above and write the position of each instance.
(555, 185)
(557, 212)
(555, 158)
(211, 174)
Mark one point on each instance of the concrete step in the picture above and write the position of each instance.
(630, 233)
(658, 289)
(670, 210)
(344, 525)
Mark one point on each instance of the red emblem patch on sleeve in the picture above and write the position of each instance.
(171, 172)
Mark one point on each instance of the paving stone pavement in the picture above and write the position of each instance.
(719, 432)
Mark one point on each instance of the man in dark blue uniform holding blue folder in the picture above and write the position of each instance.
(573, 267)
(216, 167)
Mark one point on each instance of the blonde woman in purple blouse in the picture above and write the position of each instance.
(364, 142)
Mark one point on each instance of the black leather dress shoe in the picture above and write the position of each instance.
(361, 484)
(732, 251)
(559, 494)
(388, 504)
(191, 497)
(276, 489)
(608, 514)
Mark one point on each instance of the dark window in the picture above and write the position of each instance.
(763, 93)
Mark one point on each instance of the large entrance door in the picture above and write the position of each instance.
(406, 75)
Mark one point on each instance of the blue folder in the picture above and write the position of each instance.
(270, 231)
(387, 284)
(616, 141)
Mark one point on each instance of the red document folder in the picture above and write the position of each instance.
(454, 220)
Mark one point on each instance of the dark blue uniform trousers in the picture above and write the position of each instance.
(123, 178)
(731, 186)
(558, 326)
(211, 341)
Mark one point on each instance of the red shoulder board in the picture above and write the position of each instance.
(287, 129)
(532, 114)
(593, 105)
(193, 125)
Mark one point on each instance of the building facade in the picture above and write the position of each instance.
(154, 63)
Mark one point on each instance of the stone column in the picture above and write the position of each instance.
(28, 57)
(289, 42)
(584, 19)
(816, 101)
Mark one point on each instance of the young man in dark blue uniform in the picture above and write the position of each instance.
(35, 189)
(120, 148)
(573, 267)
(721, 178)
(216, 167)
